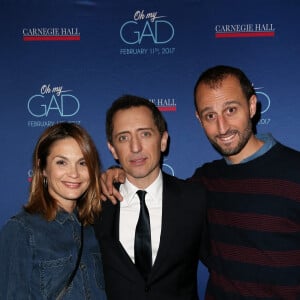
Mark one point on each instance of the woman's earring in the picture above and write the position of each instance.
(45, 183)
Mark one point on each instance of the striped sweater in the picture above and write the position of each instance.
(254, 220)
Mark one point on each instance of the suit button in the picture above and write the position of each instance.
(147, 289)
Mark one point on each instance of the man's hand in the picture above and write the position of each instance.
(107, 179)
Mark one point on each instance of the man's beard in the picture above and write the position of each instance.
(243, 140)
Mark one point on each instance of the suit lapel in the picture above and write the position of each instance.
(168, 226)
(119, 258)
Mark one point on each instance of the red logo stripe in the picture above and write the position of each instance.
(245, 34)
(167, 108)
(33, 38)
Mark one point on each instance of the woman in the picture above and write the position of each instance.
(48, 250)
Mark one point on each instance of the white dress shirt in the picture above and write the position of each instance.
(129, 213)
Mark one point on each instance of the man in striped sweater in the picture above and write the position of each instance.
(254, 195)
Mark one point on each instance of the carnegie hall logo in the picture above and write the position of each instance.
(52, 102)
(164, 104)
(147, 33)
(244, 30)
(50, 34)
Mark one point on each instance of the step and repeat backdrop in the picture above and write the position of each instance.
(68, 60)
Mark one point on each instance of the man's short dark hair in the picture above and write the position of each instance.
(128, 101)
(214, 76)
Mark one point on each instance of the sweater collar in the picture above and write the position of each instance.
(268, 141)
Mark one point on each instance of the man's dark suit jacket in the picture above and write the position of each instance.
(182, 242)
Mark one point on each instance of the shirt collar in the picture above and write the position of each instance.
(62, 216)
(154, 191)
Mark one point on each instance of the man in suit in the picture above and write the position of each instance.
(176, 237)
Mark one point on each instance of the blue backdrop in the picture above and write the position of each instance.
(68, 60)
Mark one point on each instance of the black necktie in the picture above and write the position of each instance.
(142, 241)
